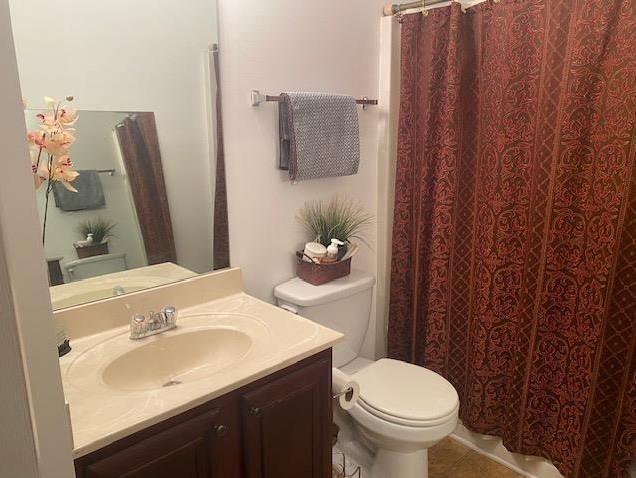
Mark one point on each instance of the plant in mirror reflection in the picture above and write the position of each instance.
(49, 149)
(99, 228)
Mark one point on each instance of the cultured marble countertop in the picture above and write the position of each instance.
(102, 287)
(101, 414)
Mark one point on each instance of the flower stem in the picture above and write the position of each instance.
(46, 212)
(37, 164)
(49, 187)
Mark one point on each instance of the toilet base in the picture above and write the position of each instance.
(391, 464)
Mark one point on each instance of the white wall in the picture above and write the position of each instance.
(18, 455)
(389, 98)
(96, 148)
(124, 55)
(280, 45)
(35, 437)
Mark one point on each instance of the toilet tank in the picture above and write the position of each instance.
(95, 266)
(343, 305)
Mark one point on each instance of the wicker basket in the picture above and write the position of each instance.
(92, 250)
(318, 274)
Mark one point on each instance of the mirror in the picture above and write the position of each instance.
(117, 220)
(140, 213)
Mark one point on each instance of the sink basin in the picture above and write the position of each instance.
(172, 359)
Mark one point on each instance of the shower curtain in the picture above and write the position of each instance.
(514, 257)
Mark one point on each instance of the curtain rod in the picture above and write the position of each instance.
(392, 9)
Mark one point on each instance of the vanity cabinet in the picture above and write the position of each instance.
(285, 426)
(276, 427)
(193, 448)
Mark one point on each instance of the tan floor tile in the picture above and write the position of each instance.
(443, 456)
(474, 465)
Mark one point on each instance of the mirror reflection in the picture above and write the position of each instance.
(113, 216)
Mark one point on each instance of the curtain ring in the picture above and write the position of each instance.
(424, 9)
(399, 17)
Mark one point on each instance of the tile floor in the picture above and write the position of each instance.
(447, 459)
(451, 459)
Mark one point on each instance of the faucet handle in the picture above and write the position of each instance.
(137, 325)
(170, 313)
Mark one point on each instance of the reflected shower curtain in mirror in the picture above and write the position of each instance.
(514, 256)
(139, 146)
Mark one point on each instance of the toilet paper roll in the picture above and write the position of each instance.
(345, 389)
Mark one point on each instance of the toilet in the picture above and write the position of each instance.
(403, 409)
(95, 266)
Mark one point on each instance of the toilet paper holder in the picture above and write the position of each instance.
(347, 393)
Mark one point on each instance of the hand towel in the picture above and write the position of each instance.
(89, 195)
(319, 135)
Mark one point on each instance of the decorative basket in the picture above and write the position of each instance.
(92, 250)
(318, 274)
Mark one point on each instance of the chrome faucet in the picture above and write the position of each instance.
(156, 323)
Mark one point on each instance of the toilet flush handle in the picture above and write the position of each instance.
(289, 308)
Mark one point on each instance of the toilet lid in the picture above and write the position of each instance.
(407, 392)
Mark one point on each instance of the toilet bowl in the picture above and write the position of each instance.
(403, 409)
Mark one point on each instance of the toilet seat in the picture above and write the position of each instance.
(409, 423)
(406, 394)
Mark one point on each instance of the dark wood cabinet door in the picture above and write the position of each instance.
(286, 423)
(204, 446)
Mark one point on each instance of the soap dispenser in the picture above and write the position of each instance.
(332, 250)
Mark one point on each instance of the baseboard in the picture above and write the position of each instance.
(492, 447)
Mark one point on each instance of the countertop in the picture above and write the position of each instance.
(101, 287)
(101, 414)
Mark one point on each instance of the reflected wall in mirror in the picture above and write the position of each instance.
(146, 90)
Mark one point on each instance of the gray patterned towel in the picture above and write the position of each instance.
(89, 195)
(319, 135)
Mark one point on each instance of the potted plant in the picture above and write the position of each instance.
(338, 218)
(96, 233)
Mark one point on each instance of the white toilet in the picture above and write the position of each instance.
(93, 266)
(403, 409)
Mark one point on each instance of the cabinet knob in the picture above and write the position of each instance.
(220, 430)
(255, 411)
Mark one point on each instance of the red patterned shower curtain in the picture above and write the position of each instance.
(514, 260)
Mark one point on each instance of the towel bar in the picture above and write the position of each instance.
(110, 172)
(256, 98)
